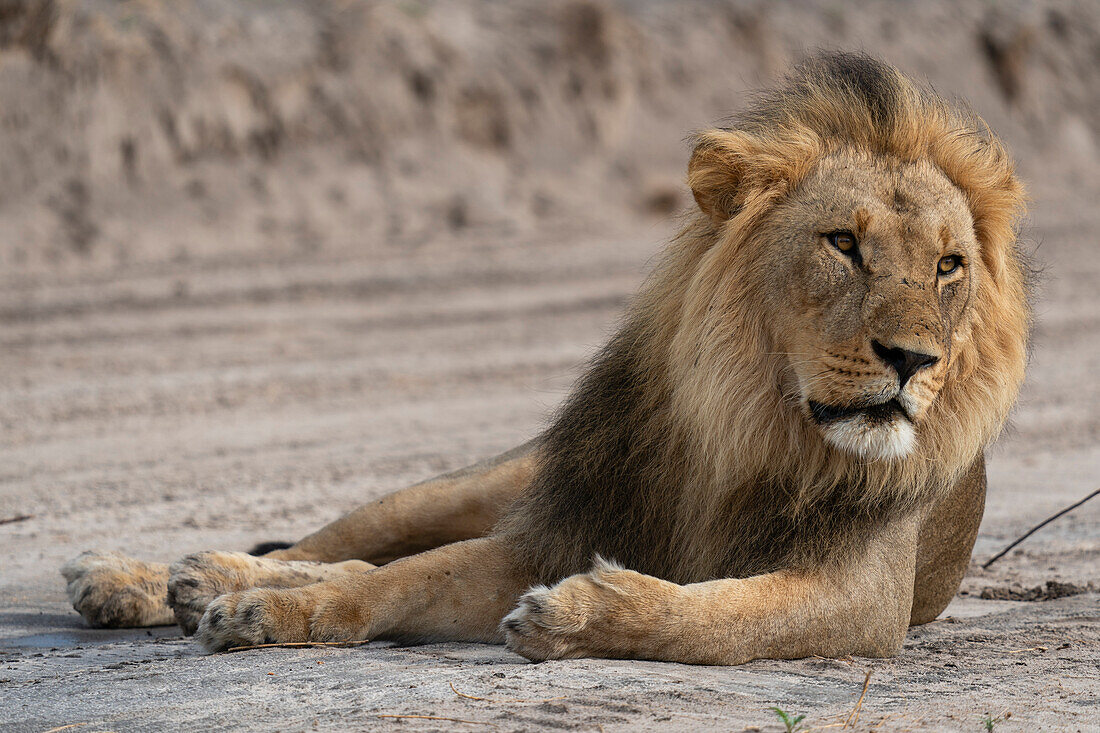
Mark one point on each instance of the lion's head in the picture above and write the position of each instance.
(853, 295)
(871, 262)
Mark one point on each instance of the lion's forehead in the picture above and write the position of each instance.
(903, 188)
(906, 211)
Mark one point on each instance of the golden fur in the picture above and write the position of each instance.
(782, 446)
(742, 172)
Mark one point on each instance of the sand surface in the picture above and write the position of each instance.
(224, 337)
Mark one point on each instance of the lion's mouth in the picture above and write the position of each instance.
(881, 412)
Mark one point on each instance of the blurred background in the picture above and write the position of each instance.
(262, 261)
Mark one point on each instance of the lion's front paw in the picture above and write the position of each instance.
(257, 616)
(538, 629)
(113, 591)
(607, 612)
(196, 580)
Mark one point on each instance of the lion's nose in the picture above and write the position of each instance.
(906, 363)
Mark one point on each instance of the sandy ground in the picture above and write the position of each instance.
(222, 345)
(182, 409)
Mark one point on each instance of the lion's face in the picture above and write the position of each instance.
(870, 265)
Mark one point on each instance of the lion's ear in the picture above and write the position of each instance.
(716, 173)
(713, 176)
(729, 168)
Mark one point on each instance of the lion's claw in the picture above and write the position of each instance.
(257, 616)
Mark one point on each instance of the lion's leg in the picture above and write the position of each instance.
(198, 579)
(457, 506)
(457, 592)
(109, 589)
(946, 541)
(859, 606)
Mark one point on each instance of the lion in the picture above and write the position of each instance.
(779, 454)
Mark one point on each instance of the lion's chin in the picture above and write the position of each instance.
(875, 440)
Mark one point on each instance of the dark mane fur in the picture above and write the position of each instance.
(611, 482)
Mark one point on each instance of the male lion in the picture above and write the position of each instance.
(779, 453)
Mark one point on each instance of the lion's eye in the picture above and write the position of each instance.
(948, 265)
(845, 242)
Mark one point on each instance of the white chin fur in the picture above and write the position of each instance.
(874, 440)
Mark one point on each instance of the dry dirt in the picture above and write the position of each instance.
(260, 263)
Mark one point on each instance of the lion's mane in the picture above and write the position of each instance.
(677, 453)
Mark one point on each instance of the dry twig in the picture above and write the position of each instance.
(490, 699)
(859, 703)
(843, 660)
(438, 717)
(1037, 527)
(299, 645)
(23, 518)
